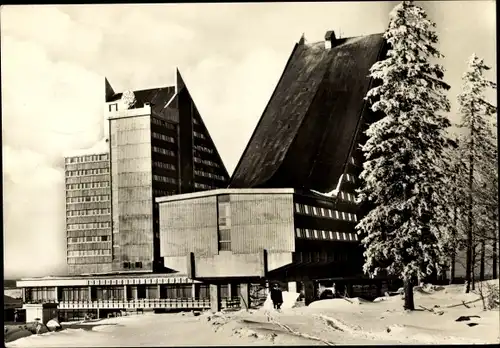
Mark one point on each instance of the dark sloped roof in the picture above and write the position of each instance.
(304, 135)
(156, 97)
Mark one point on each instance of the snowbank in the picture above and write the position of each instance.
(336, 320)
(338, 303)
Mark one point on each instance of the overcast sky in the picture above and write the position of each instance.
(54, 59)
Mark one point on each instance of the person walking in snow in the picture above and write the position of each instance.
(276, 297)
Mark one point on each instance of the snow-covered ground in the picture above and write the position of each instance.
(336, 321)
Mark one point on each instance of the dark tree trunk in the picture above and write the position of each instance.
(473, 264)
(454, 251)
(468, 258)
(409, 303)
(495, 250)
(495, 256)
(481, 261)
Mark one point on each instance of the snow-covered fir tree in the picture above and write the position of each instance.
(402, 177)
(479, 165)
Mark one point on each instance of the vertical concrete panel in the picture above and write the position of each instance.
(132, 192)
(245, 296)
(262, 221)
(215, 300)
(189, 226)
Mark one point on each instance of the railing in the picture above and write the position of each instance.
(230, 302)
(172, 303)
(28, 301)
(138, 303)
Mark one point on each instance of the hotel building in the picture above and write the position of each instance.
(287, 214)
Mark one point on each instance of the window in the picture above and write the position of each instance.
(163, 123)
(166, 179)
(306, 208)
(330, 234)
(307, 233)
(163, 137)
(163, 151)
(199, 135)
(224, 219)
(209, 175)
(202, 186)
(204, 149)
(162, 165)
(87, 172)
(205, 162)
(113, 107)
(297, 233)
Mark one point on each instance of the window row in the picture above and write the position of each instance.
(324, 212)
(347, 196)
(163, 137)
(163, 165)
(163, 151)
(85, 253)
(85, 199)
(84, 159)
(209, 175)
(203, 148)
(349, 178)
(40, 294)
(199, 135)
(87, 172)
(162, 178)
(88, 212)
(88, 239)
(90, 225)
(205, 162)
(322, 234)
(75, 294)
(163, 123)
(202, 186)
(87, 185)
(162, 193)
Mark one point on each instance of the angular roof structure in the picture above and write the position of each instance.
(307, 131)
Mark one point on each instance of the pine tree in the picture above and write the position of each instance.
(402, 176)
(478, 151)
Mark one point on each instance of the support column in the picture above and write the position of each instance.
(24, 295)
(215, 304)
(90, 293)
(125, 293)
(56, 294)
(158, 290)
(245, 296)
(308, 291)
(193, 291)
(229, 290)
(292, 286)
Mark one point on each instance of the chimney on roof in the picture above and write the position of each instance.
(330, 39)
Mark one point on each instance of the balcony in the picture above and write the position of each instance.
(180, 303)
